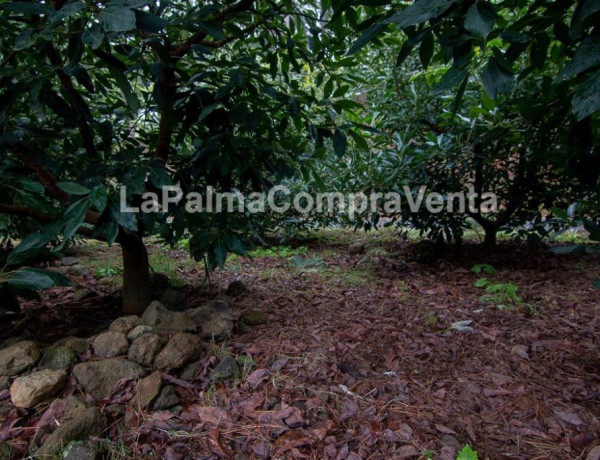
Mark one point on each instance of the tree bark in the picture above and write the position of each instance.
(489, 240)
(136, 274)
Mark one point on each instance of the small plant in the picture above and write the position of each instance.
(484, 268)
(307, 263)
(466, 453)
(503, 295)
(427, 454)
(106, 272)
(278, 251)
(431, 319)
(246, 363)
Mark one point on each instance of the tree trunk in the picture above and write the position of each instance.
(489, 241)
(136, 274)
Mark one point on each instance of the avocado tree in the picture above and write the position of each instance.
(506, 100)
(148, 94)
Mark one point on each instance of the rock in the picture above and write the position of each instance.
(89, 422)
(189, 372)
(215, 320)
(78, 345)
(159, 281)
(253, 318)
(181, 349)
(173, 299)
(78, 270)
(110, 344)
(4, 384)
(82, 450)
(125, 324)
(236, 288)
(32, 389)
(59, 357)
(148, 390)
(227, 369)
(99, 378)
(18, 357)
(144, 349)
(166, 321)
(138, 331)
(356, 248)
(82, 294)
(69, 261)
(166, 399)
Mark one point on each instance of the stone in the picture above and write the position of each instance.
(78, 270)
(32, 389)
(236, 288)
(90, 422)
(253, 318)
(18, 357)
(166, 321)
(138, 331)
(356, 248)
(181, 349)
(173, 299)
(82, 294)
(82, 450)
(59, 357)
(159, 281)
(124, 324)
(215, 320)
(144, 349)
(99, 378)
(69, 261)
(189, 372)
(147, 391)
(227, 369)
(166, 399)
(110, 344)
(78, 345)
(4, 384)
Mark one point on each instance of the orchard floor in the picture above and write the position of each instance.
(358, 358)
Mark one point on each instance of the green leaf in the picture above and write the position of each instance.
(366, 37)
(74, 216)
(586, 99)
(98, 198)
(456, 74)
(26, 8)
(586, 57)
(32, 186)
(26, 280)
(32, 244)
(496, 80)
(340, 142)
(481, 282)
(92, 36)
(68, 10)
(480, 19)
(418, 12)
(466, 453)
(149, 22)
(72, 188)
(426, 50)
(117, 19)
(125, 86)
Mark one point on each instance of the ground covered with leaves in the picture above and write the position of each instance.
(364, 351)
